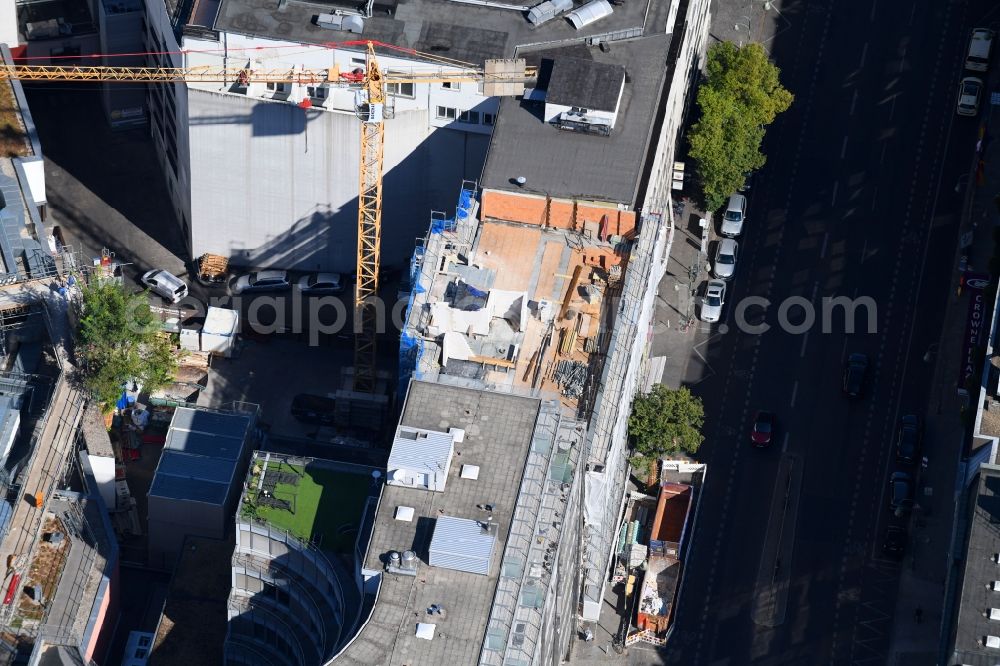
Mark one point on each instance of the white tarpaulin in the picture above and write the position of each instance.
(34, 170)
(509, 305)
(455, 346)
(594, 498)
(445, 318)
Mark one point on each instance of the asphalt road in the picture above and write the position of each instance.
(857, 200)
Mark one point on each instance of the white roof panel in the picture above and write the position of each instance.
(420, 450)
(461, 544)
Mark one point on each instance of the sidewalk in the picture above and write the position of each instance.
(925, 567)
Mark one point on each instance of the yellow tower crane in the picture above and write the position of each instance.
(500, 78)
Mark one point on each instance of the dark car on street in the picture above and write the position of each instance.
(894, 542)
(900, 492)
(316, 409)
(854, 374)
(908, 440)
(763, 429)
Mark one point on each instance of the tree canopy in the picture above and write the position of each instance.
(119, 340)
(740, 96)
(666, 421)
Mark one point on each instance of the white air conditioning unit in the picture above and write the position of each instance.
(995, 613)
(993, 642)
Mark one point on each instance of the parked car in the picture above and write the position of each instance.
(316, 409)
(321, 283)
(894, 542)
(725, 258)
(165, 284)
(733, 218)
(908, 440)
(763, 429)
(715, 298)
(977, 58)
(970, 90)
(854, 374)
(900, 491)
(260, 281)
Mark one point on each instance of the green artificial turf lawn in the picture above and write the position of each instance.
(326, 505)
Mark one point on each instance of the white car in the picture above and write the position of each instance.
(735, 215)
(261, 281)
(725, 258)
(321, 283)
(165, 284)
(715, 298)
(969, 92)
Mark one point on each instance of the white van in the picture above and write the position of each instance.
(978, 58)
(165, 284)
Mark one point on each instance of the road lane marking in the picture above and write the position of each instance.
(843, 148)
(843, 352)
(784, 443)
(854, 101)
(795, 391)
(902, 58)
(805, 339)
(871, 16)
(812, 299)
(833, 198)
(864, 254)
(864, 54)
(881, 160)
(875, 198)
(892, 108)
(822, 250)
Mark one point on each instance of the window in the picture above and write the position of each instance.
(451, 85)
(141, 654)
(317, 92)
(277, 88)
(447, 112)
(400, 89)
(469, 117)
(578, 109)
(358, 61)
(489, 119)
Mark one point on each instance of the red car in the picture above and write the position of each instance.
(763, 429)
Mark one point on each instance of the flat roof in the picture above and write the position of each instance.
(452, 29)
(981, 570)
(200, 456)
(321, 501)
(498, 434)
(585, 83)
(565, 164)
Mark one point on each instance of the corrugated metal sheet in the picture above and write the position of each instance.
(419, 450)
(461, 544)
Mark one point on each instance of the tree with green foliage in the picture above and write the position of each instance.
(119, 340)
(665, 421)
(740, 96)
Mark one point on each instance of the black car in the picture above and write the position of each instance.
(908, 440)
(854, 374)
(317, 409)
(762, 431)
(900, 492)
(894, 543)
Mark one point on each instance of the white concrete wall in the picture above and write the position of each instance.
(276, 185)
(104, 473)
(8, 23)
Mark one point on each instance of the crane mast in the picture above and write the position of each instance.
(369, 225)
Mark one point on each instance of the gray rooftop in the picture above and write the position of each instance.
(459, 31)
(981, 570)
(201, 455)
(498, 433)
(558, 163)
(586, 83)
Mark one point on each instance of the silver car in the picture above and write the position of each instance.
(715, 298)
(735, 215)
(165, 284)
(969, 92)
(260, 281)
(725, 258)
